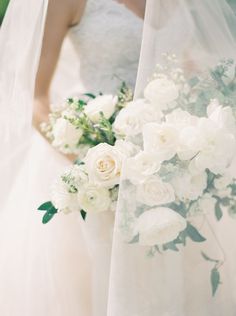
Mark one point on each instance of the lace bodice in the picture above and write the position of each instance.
(108, 41)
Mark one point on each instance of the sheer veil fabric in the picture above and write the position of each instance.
(44, 270)
(20, 51)
(199, 33)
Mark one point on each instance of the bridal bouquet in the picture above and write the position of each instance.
(186, 128)
(86, 127)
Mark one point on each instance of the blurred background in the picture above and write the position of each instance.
(3, 7)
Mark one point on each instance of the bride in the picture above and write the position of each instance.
(42, 268)
(55, 270)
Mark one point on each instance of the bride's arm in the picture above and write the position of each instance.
(137, 6)
(61, 15)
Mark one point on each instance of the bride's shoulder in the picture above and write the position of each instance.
(72, 10)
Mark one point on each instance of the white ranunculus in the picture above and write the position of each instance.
(222, 182)
(160, 139)
(141, 166)
(103, 103)
(188, 186)
(94, 199)
(103, 163)
(160, 92)
(154, 192)
(65, 136)
(159, 226)
(131, 119)
(127, 148)
(62, 199)
(219, 148)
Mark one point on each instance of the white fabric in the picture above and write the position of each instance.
(107, 41)
(176, 284)
(46, 270)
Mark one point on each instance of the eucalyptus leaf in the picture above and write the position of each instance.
(218, 211)
(170, 246)
(194, 234)
(207, 258)
(135, 239)
(215, 280)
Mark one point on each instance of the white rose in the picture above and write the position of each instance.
(222, 182)
(103, 163)
(218, 150)
(191, 141)
(62, 199)
(127, 148)
(104, 103)
(224, 118)
(138, 168)
(213, 105)
(131, 119)
(154, 192)
(188, 186)
(65, 136)
(160, 92)
(160, 139)
(94, 199)
(181, 119)
(159, 226)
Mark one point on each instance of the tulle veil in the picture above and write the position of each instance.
(199, 34)
(38, 264)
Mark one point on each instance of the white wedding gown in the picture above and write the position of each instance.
(49, 270)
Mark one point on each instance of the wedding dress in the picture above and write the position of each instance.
(46, 270)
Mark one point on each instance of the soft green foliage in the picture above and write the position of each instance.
(3, 7)
(50, 211)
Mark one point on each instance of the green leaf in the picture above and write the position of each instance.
(83, 214)
(194, 234)
(47, 217)
(207, 258)
(45, 206)
(90, 95)
(171, 246)
(135, 239)
(78, 162)
(194, 81)
(218, 211)
(182, 238)
(215, 280)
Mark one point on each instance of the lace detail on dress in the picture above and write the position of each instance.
(108, 41)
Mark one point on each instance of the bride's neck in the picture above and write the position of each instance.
(137, 6)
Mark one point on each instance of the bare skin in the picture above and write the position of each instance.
(137, 6)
